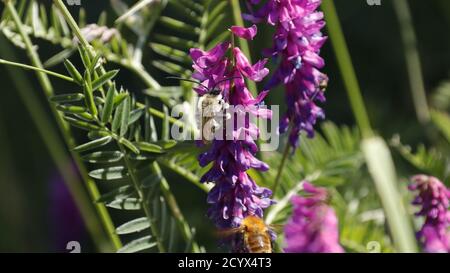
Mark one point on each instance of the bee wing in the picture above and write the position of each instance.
(228, 232)
(277, 228)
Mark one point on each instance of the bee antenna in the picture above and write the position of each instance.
(224, 80)
(189, 80)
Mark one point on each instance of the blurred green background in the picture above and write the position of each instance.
(32, 219)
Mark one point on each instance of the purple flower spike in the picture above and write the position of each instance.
(244, 33)
(235, 194)
(313, 227)
(297, 42)
(433, 198)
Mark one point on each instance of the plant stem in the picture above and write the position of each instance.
(346, 67)
(377, 155)
(148, 214)
(176, 212)
(29, 67)
(412, 60)
(65, 130)
(235, 6)
(280, 168)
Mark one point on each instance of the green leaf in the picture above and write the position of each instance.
(117, 117)
(95, 62)
(442, 122)
(150, 147)
(119, 98)
(166, 144)
(129, 145)
(133, 226)
(84, 57)
(111, 173)
(59, 58)
(93, 144)
(88, 94)
(103, 157)
(126, 204)
(103, 79)
(120, 193)
(74, 73)
(166, 124)
(125, 117)
(98, 134)
(109, 104)
(71, 109)
(138, 245)
(135, 115)
(66, 98)
(81, 124)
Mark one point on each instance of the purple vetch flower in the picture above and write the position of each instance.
(313, 226)
(66, 222)
(433, 197)
(235, 194)
(297, 42)
(245, 33)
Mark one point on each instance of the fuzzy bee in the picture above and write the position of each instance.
(211, 109)
(255, 234)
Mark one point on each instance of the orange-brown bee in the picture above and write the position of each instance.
(256, 234)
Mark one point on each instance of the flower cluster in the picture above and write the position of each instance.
(235, 195)
(297, 42)
(313, 227)
(433, 197)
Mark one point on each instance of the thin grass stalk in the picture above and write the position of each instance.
(346, 67)
(412, 59)
(376, 152)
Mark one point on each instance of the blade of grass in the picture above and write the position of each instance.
(381, 167)
(377, 154)
(346, 67)
(412, 59)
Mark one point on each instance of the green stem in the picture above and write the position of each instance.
(346, 67)
(194, 179)
(183, 226)
(65, 130)
(148, 214)
(29, 67)
(412, 59)
(235, 6)
(280, 168)
(377, 155)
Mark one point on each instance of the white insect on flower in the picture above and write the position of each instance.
(211, 110)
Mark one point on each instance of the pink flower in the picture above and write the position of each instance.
(245, 33)
(297, 42)
(313, 226)
(433, 197)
